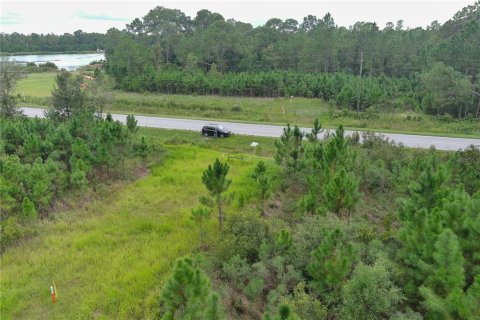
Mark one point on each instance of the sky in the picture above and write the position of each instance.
(60, 17)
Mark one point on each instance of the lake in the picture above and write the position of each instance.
(68, 61)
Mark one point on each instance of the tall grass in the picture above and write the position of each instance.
(110, 258)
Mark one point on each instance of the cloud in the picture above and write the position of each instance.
(11, 18)
(102, 17)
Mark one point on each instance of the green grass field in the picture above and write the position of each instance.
(35, 90)
(109, 258)
(37, 85)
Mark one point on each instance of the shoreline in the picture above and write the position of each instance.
(7, 54)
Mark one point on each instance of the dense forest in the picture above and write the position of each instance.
(435, 69)
(78, 41)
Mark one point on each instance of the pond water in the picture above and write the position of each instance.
(68, 61)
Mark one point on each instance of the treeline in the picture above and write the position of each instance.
(312, 45)
(42, 160)
(342, 89)
(167, 51)
(78, 41)
(343, 231)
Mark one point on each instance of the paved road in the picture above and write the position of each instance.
(440, 143)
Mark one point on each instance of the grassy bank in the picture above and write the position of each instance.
(35, 90)
(109, 258)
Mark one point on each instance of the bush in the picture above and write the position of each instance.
(48, 64)
(308, 236)
(10, 232)
(243, 235)
(304, 305)
(370, 294)
(376, 178)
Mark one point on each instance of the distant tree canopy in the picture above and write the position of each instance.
(167, 51)
(78, 41)
(357, 67)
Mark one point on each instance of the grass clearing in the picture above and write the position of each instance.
(36, 88)
(37, 85)
(109, 259)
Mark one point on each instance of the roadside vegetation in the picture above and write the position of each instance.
(34, 90)
(142, 223)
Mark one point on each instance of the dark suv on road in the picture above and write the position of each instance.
(215, 130)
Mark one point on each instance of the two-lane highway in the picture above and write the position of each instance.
(263, 130)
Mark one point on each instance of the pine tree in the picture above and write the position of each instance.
(331, 262)
(188, 295)
(316, 130)
(284, 242)
(67, 97)
(216, 181)
(443, 289)
(28, 209)
(284, 146)
(264, 184)
(341, 193)
(132, 124)
(422, 222)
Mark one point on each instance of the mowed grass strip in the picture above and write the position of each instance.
(110, 258)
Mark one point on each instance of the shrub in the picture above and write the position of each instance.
(369, 294)
(304, 305)
(10, 232)
(309, 235)
(243, 235)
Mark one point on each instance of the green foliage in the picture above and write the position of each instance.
(132, 123)
(370, 293)
(10, 232)
(28, 209)
(264, 183)
(465, 164)
(67, 97)
(341, 193)
(309, 234)
(98, 93)
(316, 130)
(328, 169)
(284, 242)
(67, 42)
(447, 91)
(9, 75)
(331, 262)
(188, 295)
(201, 215)
(284, 313)
(259, 170)
(142, 149)
(304, 305)
(443, 289)
(215, 180)
(43, 160)
(290, 148)
(243, 235)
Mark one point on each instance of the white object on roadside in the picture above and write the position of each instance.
(253, 144)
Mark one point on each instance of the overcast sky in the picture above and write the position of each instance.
(98, 16)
